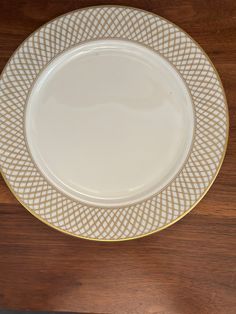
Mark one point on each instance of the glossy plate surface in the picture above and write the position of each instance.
(114, 123)
(109, 122)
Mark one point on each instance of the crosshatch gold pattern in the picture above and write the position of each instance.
(40, 197)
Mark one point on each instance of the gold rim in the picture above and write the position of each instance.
(209, 184)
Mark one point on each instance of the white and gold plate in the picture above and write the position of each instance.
(114, 123)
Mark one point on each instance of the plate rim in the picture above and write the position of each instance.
(219, 163)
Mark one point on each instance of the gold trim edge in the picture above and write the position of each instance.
(210, 184)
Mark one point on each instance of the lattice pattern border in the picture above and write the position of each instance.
(68, 215)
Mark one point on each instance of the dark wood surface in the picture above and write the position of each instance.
(186, 269)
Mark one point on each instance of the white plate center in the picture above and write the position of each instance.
(109, 122)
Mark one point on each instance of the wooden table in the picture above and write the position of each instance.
(188, 268)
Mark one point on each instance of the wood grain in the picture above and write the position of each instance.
(188, 268)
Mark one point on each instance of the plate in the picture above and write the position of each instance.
(114, 123)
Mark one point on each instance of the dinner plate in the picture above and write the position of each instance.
(114, 123)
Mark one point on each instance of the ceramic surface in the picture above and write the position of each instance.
(114, 123)
(109, 122)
